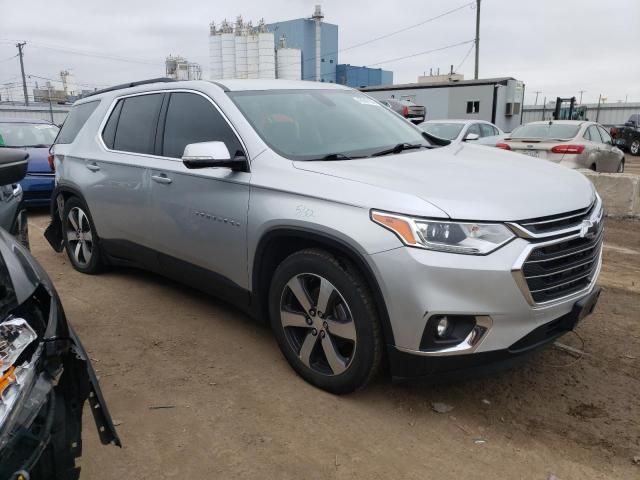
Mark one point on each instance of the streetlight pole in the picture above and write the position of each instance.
(477, 39)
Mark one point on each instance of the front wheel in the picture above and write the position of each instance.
(634, 148)
(80, 239)
(324, 319)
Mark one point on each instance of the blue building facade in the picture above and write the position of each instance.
(360, 77)
(301, 33)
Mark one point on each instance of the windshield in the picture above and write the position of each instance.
(313, 124)
(545, 130)
(27, 134)
(448, 131)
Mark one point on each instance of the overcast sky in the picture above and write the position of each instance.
(557, 47)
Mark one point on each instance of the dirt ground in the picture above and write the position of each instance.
(236, 409)
(631, 164)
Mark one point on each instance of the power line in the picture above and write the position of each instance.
(10, 58)
(94, 54)
(421, 53)
(419, 24)
(465, 57)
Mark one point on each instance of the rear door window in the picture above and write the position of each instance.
(191, 118)
(137, 123)
(593, 133)
(487, 130)
(76, 119)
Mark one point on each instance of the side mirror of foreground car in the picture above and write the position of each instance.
(471, 137)
(13, 165)
(212, 154)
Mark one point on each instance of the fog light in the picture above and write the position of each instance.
(442, 327)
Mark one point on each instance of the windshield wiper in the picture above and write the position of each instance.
(400, 147)
(334, 156)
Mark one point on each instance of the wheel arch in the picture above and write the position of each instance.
(278, 243)
(53, 233)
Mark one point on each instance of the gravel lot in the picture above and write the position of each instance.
(238, 411)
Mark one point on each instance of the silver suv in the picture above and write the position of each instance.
(350, 229)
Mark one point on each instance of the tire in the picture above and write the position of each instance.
(340, 351)
(634, 148)
(593, 167)
(79, 236)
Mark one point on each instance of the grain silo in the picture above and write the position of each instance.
(228, 41)
(288, 61)
(215, 53)
(266, 53)
(252, 54)
(241, 49)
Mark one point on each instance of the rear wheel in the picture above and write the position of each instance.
(323, 317)
(80, 239)
(634, 148)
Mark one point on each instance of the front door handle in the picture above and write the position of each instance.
(161, 179)
(93, 167)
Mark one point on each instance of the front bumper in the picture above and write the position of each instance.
(406, 366)
(419, 284)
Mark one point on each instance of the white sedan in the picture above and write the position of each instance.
(476, 131)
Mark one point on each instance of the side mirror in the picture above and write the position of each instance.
(471, 136)
(212, 154)
(13, 165)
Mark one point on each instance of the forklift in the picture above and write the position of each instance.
(570, 112)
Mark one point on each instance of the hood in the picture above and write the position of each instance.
(470, 182)
(38, 159)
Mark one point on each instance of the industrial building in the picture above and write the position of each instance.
(299, 49)
(497, 100)
(245, 51)
(180, 68)
(361, 77)
(317, 41)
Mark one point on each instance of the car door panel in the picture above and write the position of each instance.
(199, 215)
(118, 191)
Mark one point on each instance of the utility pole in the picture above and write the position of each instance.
(24, 81)
(477, 38)
(49, 95)
(581, 92)
(537, 92)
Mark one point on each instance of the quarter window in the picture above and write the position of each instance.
(606, 138)
(75, 121)
(136, 124)
(191, 118)
(473, 107)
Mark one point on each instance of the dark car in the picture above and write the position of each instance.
(406, 108)
(45, 373)
(627, 136)
(35, 137)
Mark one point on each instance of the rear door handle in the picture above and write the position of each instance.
(162, 178)
(93, 166)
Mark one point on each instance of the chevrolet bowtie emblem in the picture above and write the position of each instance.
(586, 229)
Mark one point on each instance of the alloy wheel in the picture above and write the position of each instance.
(635, 147)
(318, 324)
(79, 236)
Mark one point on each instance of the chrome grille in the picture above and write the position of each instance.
(558, 222)
(563, 258)
(560, 269)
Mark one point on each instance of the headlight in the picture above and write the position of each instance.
(468, 238)
(15, 336)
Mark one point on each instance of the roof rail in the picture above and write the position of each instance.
(130, 84)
